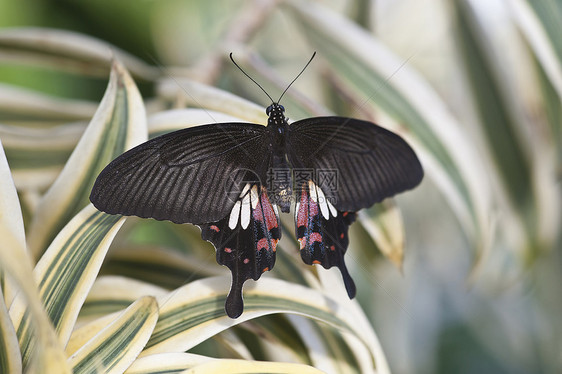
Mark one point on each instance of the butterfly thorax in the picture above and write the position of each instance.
(279, 175)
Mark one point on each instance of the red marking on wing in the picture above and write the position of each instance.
(316, 262)
(315, 237)
(262, 244)
(269, 213)
(228, 250)
(265, 269)
(307, 208)
(332, 247)
(214, 228)
(345, 214)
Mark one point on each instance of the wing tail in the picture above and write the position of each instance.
(245, 241)
(321, 230)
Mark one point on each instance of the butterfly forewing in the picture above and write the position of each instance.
(245, 241)
(192, 175)
(370, 163)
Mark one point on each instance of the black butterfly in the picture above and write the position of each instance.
(230, 179)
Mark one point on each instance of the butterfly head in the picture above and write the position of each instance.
(274, 107)
(276, 114)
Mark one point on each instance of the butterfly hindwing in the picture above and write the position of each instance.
(371, 163)
(245, 241)
(321, 231)
(183, 176)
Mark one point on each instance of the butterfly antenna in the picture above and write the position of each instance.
(252, 79)
(302, 71)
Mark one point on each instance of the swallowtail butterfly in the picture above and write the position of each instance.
(231, 179)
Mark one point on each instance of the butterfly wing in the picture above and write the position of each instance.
(192, 175)
(245, 241)
(368, 162)
(321, 230)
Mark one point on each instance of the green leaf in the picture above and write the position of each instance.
(10, 355)
(246, 367)
(114, 348)
(66, 272)
(166, 363)
(68, 51)
(523, 162)
(15, 262)
(384, 224)
(190, 363)
(21, 106)
(111, 293)
(330, 351)
(119, 124)
(191, 314)
(189, 92)
(37, 155)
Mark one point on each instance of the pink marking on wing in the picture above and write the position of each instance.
(257, 212)
(262, 244)
(228, 250)
(214, 228)
(307, 208)
(268, 212)
(246, 260)
(315, 237)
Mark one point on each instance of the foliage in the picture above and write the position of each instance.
(84, 291)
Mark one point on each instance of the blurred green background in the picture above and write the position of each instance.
(453, 309)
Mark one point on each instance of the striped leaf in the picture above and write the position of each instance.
(66, 272)
(247, 367)
(115, 347)
(110, 294)
(190, 363)
(10, 355)
(15, 263)
(523, 165)
(67, 50)
(191, 314)
(189, 92)
(331, 352)
(119, 124)
(19, 106)
(384, 224)
(37, 155)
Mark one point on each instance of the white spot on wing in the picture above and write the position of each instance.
(245, 190)
(234, 214)
(245, 211)
(333, 210)
(312, 189)
(323, 203)
(297, 207)
(254, 197)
